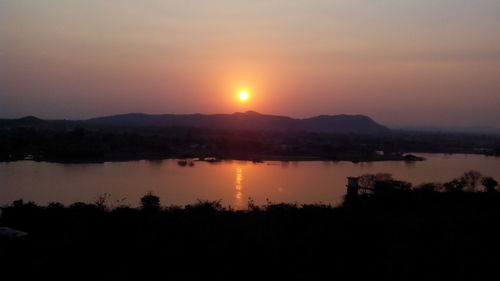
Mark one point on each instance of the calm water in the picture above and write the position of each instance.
(233, 181)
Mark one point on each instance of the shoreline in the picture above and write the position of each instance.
(405, 157)
(409, 157)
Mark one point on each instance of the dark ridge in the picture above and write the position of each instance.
(249, 120)
(30, 119)
(24, 121)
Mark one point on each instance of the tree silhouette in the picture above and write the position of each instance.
(489, 183)
(470, 179)
(150, 202)
(429, 187)
(367, 181)
(454, 185)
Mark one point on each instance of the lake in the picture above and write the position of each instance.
(233, 182)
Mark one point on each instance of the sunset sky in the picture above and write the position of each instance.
(401, 62)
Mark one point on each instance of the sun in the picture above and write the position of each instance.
(243, 95)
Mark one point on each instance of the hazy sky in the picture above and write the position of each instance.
(402, 62)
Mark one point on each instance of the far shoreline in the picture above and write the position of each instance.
(404, 157)
(407, 157)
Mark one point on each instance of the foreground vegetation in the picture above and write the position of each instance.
(389, 231)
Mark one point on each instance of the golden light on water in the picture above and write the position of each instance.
(239, 187)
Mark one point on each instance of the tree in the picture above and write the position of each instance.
(470, 179)
(454, 185)
(429, 187)
(367, 181)
(391, 186)
(150, 202)
(489, 183)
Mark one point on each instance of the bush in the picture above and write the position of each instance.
(150, 202)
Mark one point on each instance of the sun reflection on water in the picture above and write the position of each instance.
(239, 188)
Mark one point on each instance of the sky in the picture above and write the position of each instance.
(401, 62)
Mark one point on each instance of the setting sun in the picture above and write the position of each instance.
(243, 95)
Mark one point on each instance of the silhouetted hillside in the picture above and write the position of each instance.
(250, 120)
(24, 121)
(342, 123)
(245, 136)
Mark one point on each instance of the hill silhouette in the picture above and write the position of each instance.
(249, 120)
(23, 121)
(244, 136)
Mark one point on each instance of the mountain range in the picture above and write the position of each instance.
(249, 120)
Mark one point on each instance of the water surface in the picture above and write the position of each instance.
(233, 182)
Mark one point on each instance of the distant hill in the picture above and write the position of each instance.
(452, 129)
(250, 120)
(24, 121)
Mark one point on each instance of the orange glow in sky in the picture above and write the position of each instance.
(294, 58)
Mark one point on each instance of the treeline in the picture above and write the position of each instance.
(102, 143)
(471, 181)
(391, 231)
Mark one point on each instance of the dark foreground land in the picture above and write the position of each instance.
(390, 231)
